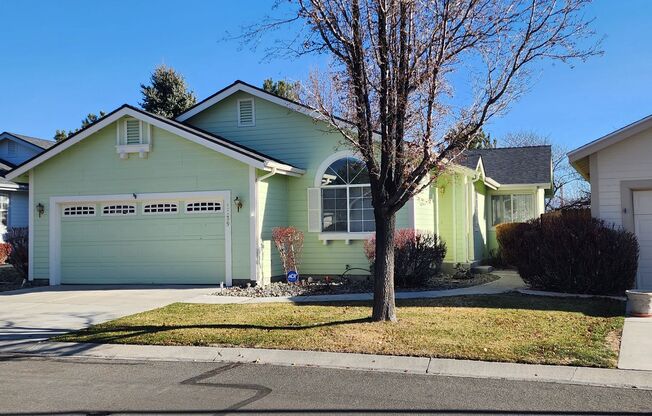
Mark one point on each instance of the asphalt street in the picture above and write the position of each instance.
(102, 387)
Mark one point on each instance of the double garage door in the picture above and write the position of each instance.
(143, 242)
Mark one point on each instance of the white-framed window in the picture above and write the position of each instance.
(246, 113)
(11, 147)
(133, 131)
(346, 198)
(119, 209)
(511, 208)
(79, 211)
(161, 208)
(4, 209)
(203, 206)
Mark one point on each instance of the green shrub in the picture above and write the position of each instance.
(417, 256)
(571, 252)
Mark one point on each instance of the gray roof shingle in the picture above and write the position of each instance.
(42, 143)
(513, 165)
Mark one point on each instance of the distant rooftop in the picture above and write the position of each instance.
(42, 143)
(513, 165)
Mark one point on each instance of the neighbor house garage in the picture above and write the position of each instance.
(619, 168)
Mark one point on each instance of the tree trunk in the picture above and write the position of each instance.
(384, 306)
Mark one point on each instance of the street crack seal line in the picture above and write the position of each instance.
(261, 391)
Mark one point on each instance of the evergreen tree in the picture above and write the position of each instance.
(167, 95)
(282, 88)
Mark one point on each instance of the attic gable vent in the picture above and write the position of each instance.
(246, 113)
(133, 131)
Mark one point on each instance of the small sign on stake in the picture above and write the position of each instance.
(292, 276)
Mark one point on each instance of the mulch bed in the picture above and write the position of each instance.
(338, 286)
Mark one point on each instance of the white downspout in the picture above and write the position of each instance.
(455, 218)
(269, 175)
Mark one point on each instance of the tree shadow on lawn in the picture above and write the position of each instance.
(115, 333)
(593, 307)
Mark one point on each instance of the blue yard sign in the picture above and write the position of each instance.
(292, 276)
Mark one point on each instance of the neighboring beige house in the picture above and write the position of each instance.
(619, 168)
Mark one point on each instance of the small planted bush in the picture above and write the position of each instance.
(17, 238)
(289, 243)
(571, 252)
(5, 251)
(417, 256)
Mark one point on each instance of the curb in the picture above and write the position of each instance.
(350, 361)
(568, 295)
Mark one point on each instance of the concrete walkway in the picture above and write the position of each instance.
(636, 344)
(385, 363)
(509, 281)
(43, 312)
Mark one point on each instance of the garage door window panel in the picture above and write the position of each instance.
(160, 208)
(119, 210)
(199, 207)
(79, 211)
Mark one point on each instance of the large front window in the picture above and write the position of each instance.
(512, 208)
(346, 197)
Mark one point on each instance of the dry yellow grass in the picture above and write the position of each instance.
(513, 328)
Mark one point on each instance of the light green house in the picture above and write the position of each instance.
(139, 199)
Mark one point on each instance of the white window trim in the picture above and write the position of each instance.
(141, 148)
(103, 206)
(160, 202)
(253, 113)
(56, 203)
(93, 206)
(511, 194)
(339, 235)
(214, 201)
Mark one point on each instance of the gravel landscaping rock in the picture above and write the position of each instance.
(336, 286)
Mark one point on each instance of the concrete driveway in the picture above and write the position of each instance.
(36, 314)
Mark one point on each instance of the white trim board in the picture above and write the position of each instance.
(212, 143)
(56, 202)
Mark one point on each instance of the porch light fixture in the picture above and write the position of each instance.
(238, 203)
(40, 208)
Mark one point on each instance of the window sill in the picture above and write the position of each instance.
(124, 149)
(344, 236)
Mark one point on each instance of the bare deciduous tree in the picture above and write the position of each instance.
(569, 189)
(418, 79)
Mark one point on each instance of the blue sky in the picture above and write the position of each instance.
(60, 60)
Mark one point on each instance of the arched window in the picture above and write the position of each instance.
(346, 197)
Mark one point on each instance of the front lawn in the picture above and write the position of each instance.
(513, 328)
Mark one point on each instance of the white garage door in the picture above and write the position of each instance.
(144, 242)
(643, 227)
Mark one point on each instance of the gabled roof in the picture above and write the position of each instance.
(256, 92)
(513, 165)
(579, 157)
(209, 140)
(40, 143)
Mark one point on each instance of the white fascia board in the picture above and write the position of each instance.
(211, 144)
(249, 90)
(610, 139)
(307, 111)
(525, 185)
(491, 183)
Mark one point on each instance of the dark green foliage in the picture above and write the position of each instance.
(569, 251)
(417, 257)
(285, 89)
(482, 140)
(87, 121)
(17, 238)
(168, 94)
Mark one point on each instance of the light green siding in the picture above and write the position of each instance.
(272, 212)
(92, 167)
(424, 208)
(453, 216)
(300, 140)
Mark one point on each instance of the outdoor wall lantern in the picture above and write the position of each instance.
(238, 203)
(40, 208)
